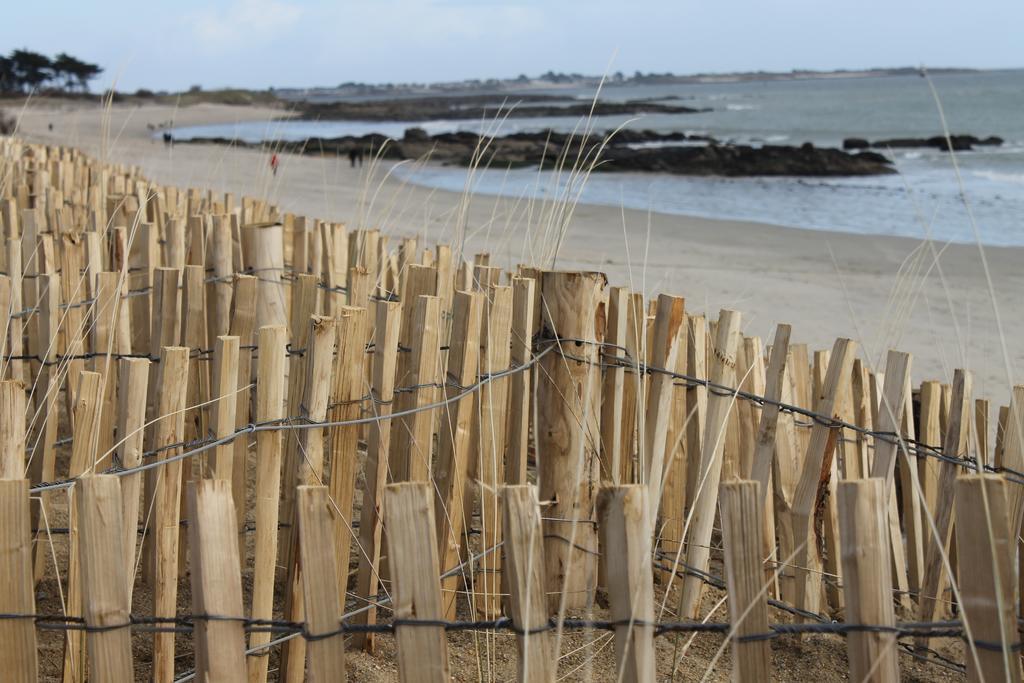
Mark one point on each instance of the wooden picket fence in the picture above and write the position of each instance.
(200, 386)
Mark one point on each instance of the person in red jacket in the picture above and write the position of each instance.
(273, 163)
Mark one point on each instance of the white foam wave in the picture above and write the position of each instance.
(1016, 178)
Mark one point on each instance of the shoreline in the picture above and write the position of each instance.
(826, 284)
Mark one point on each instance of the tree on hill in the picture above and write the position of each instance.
(24, 70)
(31, 69)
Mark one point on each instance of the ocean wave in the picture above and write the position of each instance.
(741, 107)
(997, 176)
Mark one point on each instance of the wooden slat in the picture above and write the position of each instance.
(816, 466)
(742, 524)
(624, 521)
(385, 356)
(107, 605)
(864, 528)
(170, 429)
(216, 581)
(269, 407)
(416, 591)
(985, 550)
(520, 387)
(18, 656)
(954, 444)
(723, 364)
(524, 572)
(322, 594)
(133, 377)
(455, 427)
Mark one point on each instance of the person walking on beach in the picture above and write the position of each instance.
(273, 163)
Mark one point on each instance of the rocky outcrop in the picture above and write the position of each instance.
(957, 143)
(680, 154)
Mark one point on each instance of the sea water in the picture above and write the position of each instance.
(925, 198)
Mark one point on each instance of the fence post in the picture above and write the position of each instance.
(243, 322)
(106, 601)
(613, 387)
(170, 429)
(269, 407)
(723, 363)
(133, 378)
(453, 438)
(520, 393)
(867, 577)
(385, 355)
(413, 434)
(490, 464)
(322, 590)
(224, 385)
(524, 574)
(954, 444)
(986, 550)
(669, 326)
(216, 582)
(416, 591)
(820, 450)
(310, 464)
(18, 656)
(83, 451)
(624, 520)
(568, 428)
(742, 526)
(347, 391)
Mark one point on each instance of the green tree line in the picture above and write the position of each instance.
(24, 70)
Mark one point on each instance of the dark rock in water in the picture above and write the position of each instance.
(549, 149)
(415, 135)
(957, 143)
(873, 156)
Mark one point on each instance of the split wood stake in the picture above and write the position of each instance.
(490, 465)
(243, 324)
(107, 605)
(867, 577)
(133, 378)
(385, 355)
(320, 355)
(612, 388)
(416, 591)
(524, 572)
(520, 388)
(225, 384)
(624, 521)
(347, 390)
(18, 656)
(83, 455)
(764, 447)
(269, 407)
(669, 326)
(723, 366)
(322, 590)
(953, 445)
(568, 430)
(890, 415)
(170, 429)
(985, 549)
(455, 428)
(216, 582)
(816, 468)
(413, 434)
(742, 524)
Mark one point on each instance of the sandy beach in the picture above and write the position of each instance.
(930, 299)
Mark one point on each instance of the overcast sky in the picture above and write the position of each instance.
(261, 43)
